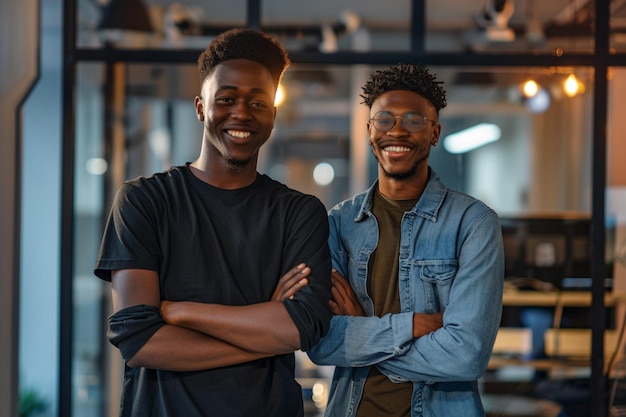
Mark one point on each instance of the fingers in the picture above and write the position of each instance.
(292, 273)
(291, 282)
(334, 308)
(344, 301)
(341, 289)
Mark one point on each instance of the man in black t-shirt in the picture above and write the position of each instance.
(218, 273)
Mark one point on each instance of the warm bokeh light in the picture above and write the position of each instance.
(530, 88)
(571, 86)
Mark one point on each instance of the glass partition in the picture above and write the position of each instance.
(136, 119)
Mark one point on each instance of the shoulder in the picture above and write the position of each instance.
(447, 206)
(460, 200)
(470, 213)
(154, 187)
(356, 206)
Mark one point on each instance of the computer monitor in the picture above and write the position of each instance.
(552, 248)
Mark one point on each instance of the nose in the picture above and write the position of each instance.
(397, 128)
(241, 110)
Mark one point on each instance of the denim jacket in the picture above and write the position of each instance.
(451, 261)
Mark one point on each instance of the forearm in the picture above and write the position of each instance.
(426, 323)
(363, 341)
(175, 348)
(264, 327)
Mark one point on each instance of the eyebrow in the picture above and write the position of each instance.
(255, 90)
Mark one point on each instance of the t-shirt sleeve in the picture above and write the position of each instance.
(131, 327)
(308, 242)
(130, 235)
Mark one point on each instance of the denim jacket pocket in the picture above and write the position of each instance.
(436, 278)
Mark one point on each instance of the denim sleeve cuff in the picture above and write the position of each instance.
(130, 328)
(402, 324)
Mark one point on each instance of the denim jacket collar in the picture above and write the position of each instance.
(427, 206)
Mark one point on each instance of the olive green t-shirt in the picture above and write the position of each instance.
(381, 397)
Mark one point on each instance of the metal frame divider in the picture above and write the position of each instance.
(600, 60)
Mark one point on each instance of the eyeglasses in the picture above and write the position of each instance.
(384, 121)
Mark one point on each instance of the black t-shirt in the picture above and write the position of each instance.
(227, 247)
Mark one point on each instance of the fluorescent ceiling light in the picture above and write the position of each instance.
(471, 138)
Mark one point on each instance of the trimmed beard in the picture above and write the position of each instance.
(237, 163)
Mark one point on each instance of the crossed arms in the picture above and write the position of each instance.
(197, 336)
(345, 303)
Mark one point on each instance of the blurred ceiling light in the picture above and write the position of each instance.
(494, 18)
(125, 15)
(538, 103)
(530, 88)
(125, 23)
(323, 173)
(572, 86)
(534, 27)
(280, 95)
(472, 138)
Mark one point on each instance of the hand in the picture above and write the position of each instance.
(344, 301)
(426, 323)
(291, 282)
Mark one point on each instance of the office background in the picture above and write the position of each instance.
(563, 159)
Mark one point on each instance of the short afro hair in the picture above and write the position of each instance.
(239, 43)
(409, 77)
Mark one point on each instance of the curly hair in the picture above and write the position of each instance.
(239, 43)
(409, 77)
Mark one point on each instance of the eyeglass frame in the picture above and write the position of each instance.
(373, 120)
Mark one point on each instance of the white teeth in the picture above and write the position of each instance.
(397, 149)
(238, 133)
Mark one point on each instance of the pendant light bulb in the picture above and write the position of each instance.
(530, 88)
(571, 86)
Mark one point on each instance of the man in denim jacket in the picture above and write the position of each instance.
(415, 321)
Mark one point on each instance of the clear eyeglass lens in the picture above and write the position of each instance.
(412, 122)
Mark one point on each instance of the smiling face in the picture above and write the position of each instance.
(403, 155)
(237, 110)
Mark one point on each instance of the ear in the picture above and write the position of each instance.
(197, 102)
(369, 127)
(435, 134)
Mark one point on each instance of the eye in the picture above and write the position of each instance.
(259, 104)
(413, 119)
(384, 118)
(385, 121)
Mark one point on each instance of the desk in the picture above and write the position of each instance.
(513, 344)
(526, 298)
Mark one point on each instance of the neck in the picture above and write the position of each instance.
(219, 173)
(402, 189)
